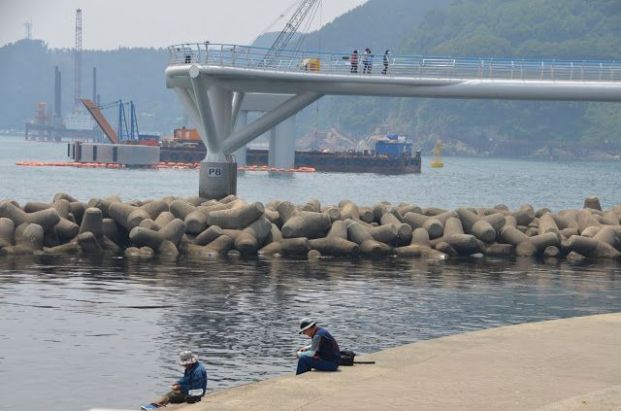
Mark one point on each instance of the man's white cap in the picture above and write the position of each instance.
(305, 324)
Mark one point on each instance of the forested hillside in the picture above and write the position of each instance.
(562, 29)
(378, 24)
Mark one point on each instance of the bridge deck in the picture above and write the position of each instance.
(212, 81)
(297, 61)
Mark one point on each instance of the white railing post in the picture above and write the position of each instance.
(552, 72)
(542, 74)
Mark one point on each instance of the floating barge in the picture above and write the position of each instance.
(392, 155)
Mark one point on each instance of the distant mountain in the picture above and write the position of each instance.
(377, 24)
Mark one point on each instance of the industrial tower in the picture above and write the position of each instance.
(28, 26)
(77, 75)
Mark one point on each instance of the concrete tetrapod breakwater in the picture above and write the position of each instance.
(199, 228)
(571, 364)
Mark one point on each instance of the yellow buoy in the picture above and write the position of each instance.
(437, 152)
(437, 164)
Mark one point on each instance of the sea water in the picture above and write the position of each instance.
(83, 332)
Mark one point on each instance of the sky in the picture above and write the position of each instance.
(109, 24)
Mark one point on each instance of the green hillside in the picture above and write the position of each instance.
(561, 29)
(377, 24)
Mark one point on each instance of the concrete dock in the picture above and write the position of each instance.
(572, 364)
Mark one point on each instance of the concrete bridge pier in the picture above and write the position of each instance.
(217, 179)
(215, 105)
(215, 109)
(240, 155)
(282, 145)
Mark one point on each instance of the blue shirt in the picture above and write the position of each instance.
(323, 346)
(194, 378)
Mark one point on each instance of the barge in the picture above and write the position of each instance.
(392, 155)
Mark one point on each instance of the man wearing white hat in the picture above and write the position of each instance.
(190, 388)
(322, 354)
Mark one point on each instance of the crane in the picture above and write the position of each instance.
(125, 131)
(289, 31)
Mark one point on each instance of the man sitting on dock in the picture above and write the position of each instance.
(322, 354)
(190, 388)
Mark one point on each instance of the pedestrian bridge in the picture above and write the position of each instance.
(214, 80)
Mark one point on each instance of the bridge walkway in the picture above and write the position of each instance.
(212, 81)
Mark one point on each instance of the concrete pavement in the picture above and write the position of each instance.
(572, 364)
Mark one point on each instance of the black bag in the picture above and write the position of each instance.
(347, 357)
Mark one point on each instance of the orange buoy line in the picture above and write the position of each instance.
(159, 166)
(277, 170)
(68, 164)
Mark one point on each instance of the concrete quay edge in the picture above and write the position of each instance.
(569, 364)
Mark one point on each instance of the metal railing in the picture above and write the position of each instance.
(231, 55)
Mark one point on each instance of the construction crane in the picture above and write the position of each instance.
(285, 36)
(127, 129)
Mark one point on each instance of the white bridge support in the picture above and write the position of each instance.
(282, 145)
(281, 142)
(215, 108)
(216, 83)
(240, 154)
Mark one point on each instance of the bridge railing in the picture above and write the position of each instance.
(248, 57)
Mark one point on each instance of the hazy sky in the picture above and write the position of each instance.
(108, 24)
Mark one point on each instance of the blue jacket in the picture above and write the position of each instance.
(194, 378)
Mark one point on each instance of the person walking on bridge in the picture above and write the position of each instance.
(367, 61)
(322, 354)
(353, 60)
(386, 61)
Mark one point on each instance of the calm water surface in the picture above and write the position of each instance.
(77, 333)
(462, 182)
(80, 333)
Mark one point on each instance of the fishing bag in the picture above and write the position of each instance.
(347, 357)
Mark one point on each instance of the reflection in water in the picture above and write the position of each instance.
(111, 328)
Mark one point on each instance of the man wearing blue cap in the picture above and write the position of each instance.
(322, 354)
